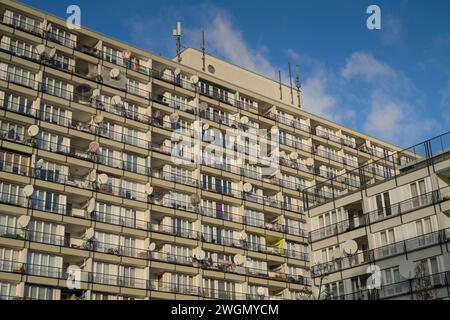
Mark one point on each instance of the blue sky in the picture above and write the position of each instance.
(392, 83)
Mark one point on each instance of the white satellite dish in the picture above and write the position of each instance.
(89, 233)
(407, 269)
(238, 259)
(98, 118)
(126, 54)
(148, 189)
(114, 73)
(293, 155)
(195, 199)
(350, 247)
(93, 175)
(177, 71)
(201, 254)
(40, 49)
(95, 93)
(261, 291)
(195, 79)
(152, 246)
(39, 164)
(244, 120)
(247, 187)
(116, 100)
(93, 147)
(203, 106)
(102, 178)
(243, 235)
(28, 190)
(51, 53)
(309, 162)
(33, 130)
(23, 221)
(174, 117)
(91, 205)
(206, 126)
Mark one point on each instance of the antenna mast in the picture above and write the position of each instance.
(290, 81)
(281, 88)
(203, 51)
(177, 34)
(298, 86)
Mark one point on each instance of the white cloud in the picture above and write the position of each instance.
(227, 41)
(395, 112)
(391, 29)
(364, 65)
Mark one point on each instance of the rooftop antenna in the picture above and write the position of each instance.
(298, 86)
(281, 89)
(203, 51)
(290, 82)
(177, 34)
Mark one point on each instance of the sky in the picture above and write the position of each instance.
(392, 83)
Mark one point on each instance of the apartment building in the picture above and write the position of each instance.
(389, 240)
(96, 185)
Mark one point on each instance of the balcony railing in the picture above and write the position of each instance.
(371, 256)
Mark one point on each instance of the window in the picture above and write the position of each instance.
(7, 290)
(6, 260)
(38, 293)
(45, 232)
(13, 162)
(112, 55)
(254, 218)
(62, 37)
(42, 264)
(383, 203)
(418, 193)
(12, 131)
(219, 289)
(47, 201)
(16, 103)
(9, 193)
(57, 88)
(7, 224)
(52, 142)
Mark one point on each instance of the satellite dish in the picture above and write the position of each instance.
(174, 117)
(203, 106)
(23, 221)
(195, 79)
(293, 155)
(93, 146)
(116, 100)
(247, 187)
(201, 254)
(102, 178)
(28, 190)
(152, 246)
(407, 269)
(89, 233)
(40, 49)
(126, 54)
(49, 27)
(309, 162)
(244, 120)
(243, 235)
(177, 71)
(91, 205)
(114, 73)
(51, 53)
(95, 93)
(350, 247)
(195, 199)
(206, 126)
(33, 130)
(98, 118)
(148, 189)
(93, 174)
(39, 164)
(238, 259)
(261, 291)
